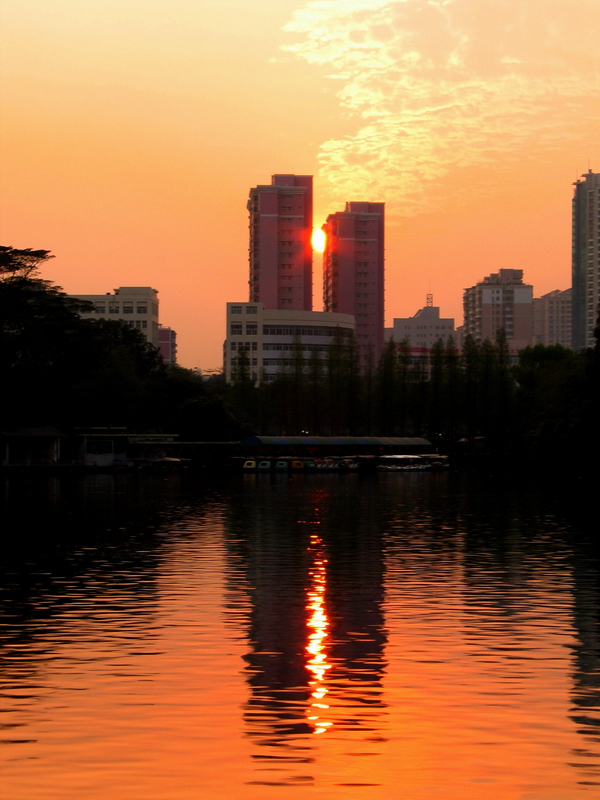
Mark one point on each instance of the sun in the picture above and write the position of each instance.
(318, 240)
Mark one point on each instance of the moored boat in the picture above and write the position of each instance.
(402, 464)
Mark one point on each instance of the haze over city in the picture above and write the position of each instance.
(133, 132)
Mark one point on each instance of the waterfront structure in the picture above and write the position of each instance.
(135, 305)
(552, 318)
(500, 302)
(266, 342)
(280, 252)
(585, 259)
(353, 271)
(167, 344)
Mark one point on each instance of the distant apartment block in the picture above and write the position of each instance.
(500, 302)
(135, 305)
(353, 271)
(585, 260)
(552, 318)
(267, 340)
(167, 344)
(280, 251)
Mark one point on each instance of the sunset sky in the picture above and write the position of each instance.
(132, 131)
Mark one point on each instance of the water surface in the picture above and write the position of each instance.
(399, 635)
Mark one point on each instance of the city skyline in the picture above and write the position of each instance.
(133, 137)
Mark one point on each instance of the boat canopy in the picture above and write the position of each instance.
(355, 441)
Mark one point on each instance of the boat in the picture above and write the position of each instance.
(402, 464)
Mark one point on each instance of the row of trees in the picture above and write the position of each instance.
(59, 369)
(546, 402)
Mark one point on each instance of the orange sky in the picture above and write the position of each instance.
(132, 131)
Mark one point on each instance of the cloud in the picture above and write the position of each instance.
(433, 88)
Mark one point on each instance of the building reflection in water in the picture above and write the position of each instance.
(312, 565)
(585, 694)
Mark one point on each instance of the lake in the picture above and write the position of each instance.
(400, 635)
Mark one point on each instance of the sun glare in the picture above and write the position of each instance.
(318, 240)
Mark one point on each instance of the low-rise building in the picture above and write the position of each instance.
(423, 330)
(135, 305)
(167, 344)
(266, 341)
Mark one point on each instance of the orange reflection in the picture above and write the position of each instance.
(318, 624)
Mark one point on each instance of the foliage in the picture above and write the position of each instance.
(59, 369)
(21, 264)
(475, 396)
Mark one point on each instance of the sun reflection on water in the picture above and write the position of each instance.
(317, 623)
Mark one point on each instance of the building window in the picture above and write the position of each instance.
(250, 309)
(128, 308)
(100, 309)
(141, 308)
(113, 308)
(236, 309)
(236, 329)
(251, 329)
(233, 346)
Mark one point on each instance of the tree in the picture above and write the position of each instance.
(387, 390)
(21, 264)
(471, 364)
(437, 401)
(551, 401)
(315, 391)
(39, 334)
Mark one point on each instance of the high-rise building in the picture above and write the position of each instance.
(281, 218)
(552, 318)
(135, 305)
(586, 259)
(500, 302)
(353, 271)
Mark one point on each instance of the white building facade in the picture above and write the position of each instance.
(423, 330)
(135, 305)
(267, 340)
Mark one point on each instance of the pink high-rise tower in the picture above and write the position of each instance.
(353, 271)
(280, 243)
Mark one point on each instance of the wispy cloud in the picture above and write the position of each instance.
(436, 87)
